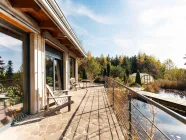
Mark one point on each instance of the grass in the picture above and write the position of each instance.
(165, 84)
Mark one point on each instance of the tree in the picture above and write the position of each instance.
(108, 69)
(115, 62)
(138, 78)
(84, 74)
(105, 72)
(117, 71)
(169, 64)
(133, 64)
(9, 72)
(1, 66)
(92, 68)
(103, 63)
(169, 69)
(108, 58)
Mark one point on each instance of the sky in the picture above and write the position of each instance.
(127, 27)
(11, 49)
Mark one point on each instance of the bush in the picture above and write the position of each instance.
(99, 79)
(153, 87)
(119, 80)
(165, 84)
(15, 94)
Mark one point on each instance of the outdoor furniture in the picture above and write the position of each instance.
(85, 81)
(73, 83)
(59, 100)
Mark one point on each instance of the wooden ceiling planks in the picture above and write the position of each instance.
(31, 8)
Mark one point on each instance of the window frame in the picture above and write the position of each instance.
(13, 31)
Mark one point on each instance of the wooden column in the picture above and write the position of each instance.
(33, 73)
(37, 68)
(66, 70)
(76, 69)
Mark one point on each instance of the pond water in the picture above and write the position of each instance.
(166, 94)
(172, 127)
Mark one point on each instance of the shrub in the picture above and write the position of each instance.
(99, 79)
(119, 80)
(165, 84)
(153, 87)
(15, 94)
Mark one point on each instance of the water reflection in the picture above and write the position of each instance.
(166, 94)
(169, 125)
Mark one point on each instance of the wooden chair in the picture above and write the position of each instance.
(59, 100)
(73, 83)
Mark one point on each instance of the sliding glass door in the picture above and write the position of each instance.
(54, 69)
(14, 72)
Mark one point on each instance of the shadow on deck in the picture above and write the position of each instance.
(91, 117)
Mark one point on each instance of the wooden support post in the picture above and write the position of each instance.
(113, 95)
(69, 103)
(130, 117)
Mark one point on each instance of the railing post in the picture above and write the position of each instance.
(113, 95)
(130, 118)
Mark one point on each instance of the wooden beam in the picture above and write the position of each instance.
(65, 42)
(15, 23)
(47, 24)
(59, 35)
(25, 5)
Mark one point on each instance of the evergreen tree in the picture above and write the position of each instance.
(116, 61)
(105, 72)
(108, 58)
(134, 64)
(1, 65)
(138, 78)
(108, 69)
(9, 72)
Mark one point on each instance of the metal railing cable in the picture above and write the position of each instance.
(174, 114)
(121, 99)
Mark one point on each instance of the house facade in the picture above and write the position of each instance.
(38, 47)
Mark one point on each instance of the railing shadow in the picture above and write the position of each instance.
(98, 119)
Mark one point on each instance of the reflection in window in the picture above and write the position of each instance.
(53, 73)
(57, 75)
(11, 75)
(49, 71)
(72, 67)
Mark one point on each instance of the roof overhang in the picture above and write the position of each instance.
(49, 17)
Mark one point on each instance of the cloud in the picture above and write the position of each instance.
(155, 27)
(160, 29)
(10, 42)
(72, 9)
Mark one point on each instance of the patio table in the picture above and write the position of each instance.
(85, 81)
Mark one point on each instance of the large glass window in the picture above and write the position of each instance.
(49, 71)
(57, 65)
(54, 76)
(72, 67)
(13, 73)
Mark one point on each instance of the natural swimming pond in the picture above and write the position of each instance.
(172, 127)
(167, 94)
